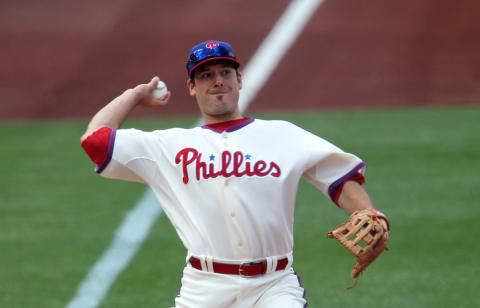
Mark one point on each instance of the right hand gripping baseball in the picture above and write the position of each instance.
(144, 93)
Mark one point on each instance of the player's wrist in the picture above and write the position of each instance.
(134, 96)
(383, 218)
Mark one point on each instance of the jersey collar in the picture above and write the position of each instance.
(229, 126)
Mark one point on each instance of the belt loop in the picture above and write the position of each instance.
(189, 255)
(270, 267)
(209, 263)
(290, 261)
(203, 263)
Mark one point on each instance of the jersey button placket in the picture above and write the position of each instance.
(224, 145)
(225, 137)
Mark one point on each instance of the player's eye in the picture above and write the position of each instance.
(225, 72)
(205, 75)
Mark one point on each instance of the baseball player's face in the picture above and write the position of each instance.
(217, 87)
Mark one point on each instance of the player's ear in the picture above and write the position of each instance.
(191, 87)
(239, 79)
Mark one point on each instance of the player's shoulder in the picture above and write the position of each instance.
(165, 134)
(278, 124)
(167, 131)
(290, 131)
(174, 131)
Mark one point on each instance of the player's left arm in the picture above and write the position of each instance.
(354, 197)
(361, 234)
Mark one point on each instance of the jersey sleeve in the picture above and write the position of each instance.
(130, 156)
(328, 166)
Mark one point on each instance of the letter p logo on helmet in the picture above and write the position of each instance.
(211, 45)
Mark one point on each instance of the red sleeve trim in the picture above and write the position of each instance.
(97, 145)
(357, 177)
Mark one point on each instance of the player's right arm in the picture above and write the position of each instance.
(114, 113)
(99, 138)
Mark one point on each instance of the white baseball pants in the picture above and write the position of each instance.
(201, 289)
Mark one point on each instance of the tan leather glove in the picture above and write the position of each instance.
(364, 235)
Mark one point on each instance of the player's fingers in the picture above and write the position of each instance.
(164, 100)
(384, 225)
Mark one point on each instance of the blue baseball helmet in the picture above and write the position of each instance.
(209, 51)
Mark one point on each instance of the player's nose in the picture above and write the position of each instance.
(218, 80)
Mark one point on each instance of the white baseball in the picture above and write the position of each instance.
(161, 90)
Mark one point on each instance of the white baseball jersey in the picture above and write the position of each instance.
(230, 195)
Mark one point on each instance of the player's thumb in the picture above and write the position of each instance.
(153, 83)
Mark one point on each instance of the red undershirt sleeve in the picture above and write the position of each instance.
(358, 177)
(97, 145)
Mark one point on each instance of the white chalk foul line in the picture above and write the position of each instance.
(138, 222)
(128, 239)
(274, 47)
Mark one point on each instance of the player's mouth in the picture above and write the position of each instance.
(219, 91)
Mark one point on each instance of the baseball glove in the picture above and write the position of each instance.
(364, 236)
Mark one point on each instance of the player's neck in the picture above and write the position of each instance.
(210, 120)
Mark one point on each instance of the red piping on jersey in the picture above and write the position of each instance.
(335, 189)
(229, 126)
(358, 177)
(111, 143)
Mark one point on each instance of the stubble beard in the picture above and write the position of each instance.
(221, 110)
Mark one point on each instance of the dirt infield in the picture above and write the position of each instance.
(67, 59)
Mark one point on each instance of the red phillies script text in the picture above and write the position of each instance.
(230, 165)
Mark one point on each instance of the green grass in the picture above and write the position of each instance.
(57, 216)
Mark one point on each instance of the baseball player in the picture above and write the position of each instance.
(229, 186)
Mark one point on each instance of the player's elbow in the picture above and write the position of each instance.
(93, 131)
(96, 144)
